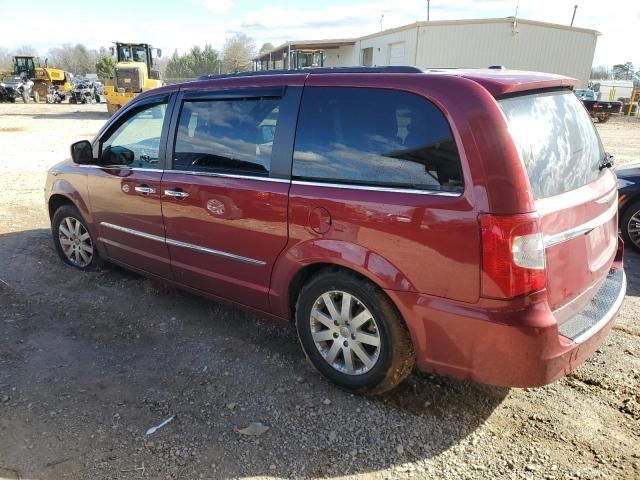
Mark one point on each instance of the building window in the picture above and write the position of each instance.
(367, 57)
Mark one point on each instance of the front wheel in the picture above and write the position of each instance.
(72, 239)
(630, 225)
(352, 333)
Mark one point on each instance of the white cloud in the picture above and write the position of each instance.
(217, 6)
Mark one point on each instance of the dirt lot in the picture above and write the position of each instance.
(90, 361)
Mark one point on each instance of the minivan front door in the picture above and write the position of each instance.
(125, 189)
(225, 199)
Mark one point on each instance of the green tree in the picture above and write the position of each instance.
(266, 48)
(198, 61)
(105, 66)
(623, 71)
(237, 53)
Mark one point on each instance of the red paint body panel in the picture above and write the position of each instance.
(425, 251)
(115, 201)
(242, 217)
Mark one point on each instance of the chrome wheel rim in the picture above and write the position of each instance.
(75, 241)
(633, 228)
(345, 332)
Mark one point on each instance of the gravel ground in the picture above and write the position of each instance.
(90, 361)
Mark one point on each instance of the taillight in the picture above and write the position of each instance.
(513, 260)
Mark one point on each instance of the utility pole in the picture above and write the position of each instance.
(575, 7)
(428, 9)
(381, 18)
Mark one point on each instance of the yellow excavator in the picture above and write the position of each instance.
(133, 74)
(41, 75)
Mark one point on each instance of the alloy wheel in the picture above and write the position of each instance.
(345, 332)
(75, 242)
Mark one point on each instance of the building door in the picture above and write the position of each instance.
(396, 53)
(367, 57)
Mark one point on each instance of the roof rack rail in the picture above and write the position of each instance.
(312, 71)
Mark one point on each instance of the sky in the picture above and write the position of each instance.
(172, 25)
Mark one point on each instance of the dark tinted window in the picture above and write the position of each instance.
(556, 139)
(374, 137)
(227, 136)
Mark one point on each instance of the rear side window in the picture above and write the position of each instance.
(374, 137)
(556, 139)
(226, 136)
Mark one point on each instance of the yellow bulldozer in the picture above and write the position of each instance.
(134, 73)
(41, 75)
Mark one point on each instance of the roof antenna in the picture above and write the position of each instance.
(381, 18)
(575, 7)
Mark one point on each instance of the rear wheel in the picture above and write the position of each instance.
(72, 239)
(352, 333)
(630, 225)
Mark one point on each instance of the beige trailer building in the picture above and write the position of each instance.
(517, 44)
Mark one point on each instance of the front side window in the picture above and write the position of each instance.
(136, 141)
(375, 137)
(227, 136)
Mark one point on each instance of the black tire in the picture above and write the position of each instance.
(97, 98)
(60, 216)
(630, 211)
(395, 357)
(604, 118)
(72, 100)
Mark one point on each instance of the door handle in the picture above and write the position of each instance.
(145, 189)
(176, 193)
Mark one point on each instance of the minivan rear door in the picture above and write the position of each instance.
(575, 194)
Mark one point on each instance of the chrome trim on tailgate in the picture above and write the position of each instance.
(550, 240)
(177, 243)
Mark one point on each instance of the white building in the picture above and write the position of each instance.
(515, 43)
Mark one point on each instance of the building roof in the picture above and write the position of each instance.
(335, 43)
(522, 21)
(307, 44)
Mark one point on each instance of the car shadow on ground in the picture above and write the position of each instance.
(95, 359)
(75, 115)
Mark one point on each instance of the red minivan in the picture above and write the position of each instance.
(460, 221)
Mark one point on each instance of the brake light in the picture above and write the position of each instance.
(513, 259)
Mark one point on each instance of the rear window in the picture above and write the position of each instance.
(556, 139)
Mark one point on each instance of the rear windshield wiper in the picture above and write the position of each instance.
(607, 162)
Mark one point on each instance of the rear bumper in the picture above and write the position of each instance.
(515, 345)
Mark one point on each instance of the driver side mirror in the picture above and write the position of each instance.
(82, 152)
